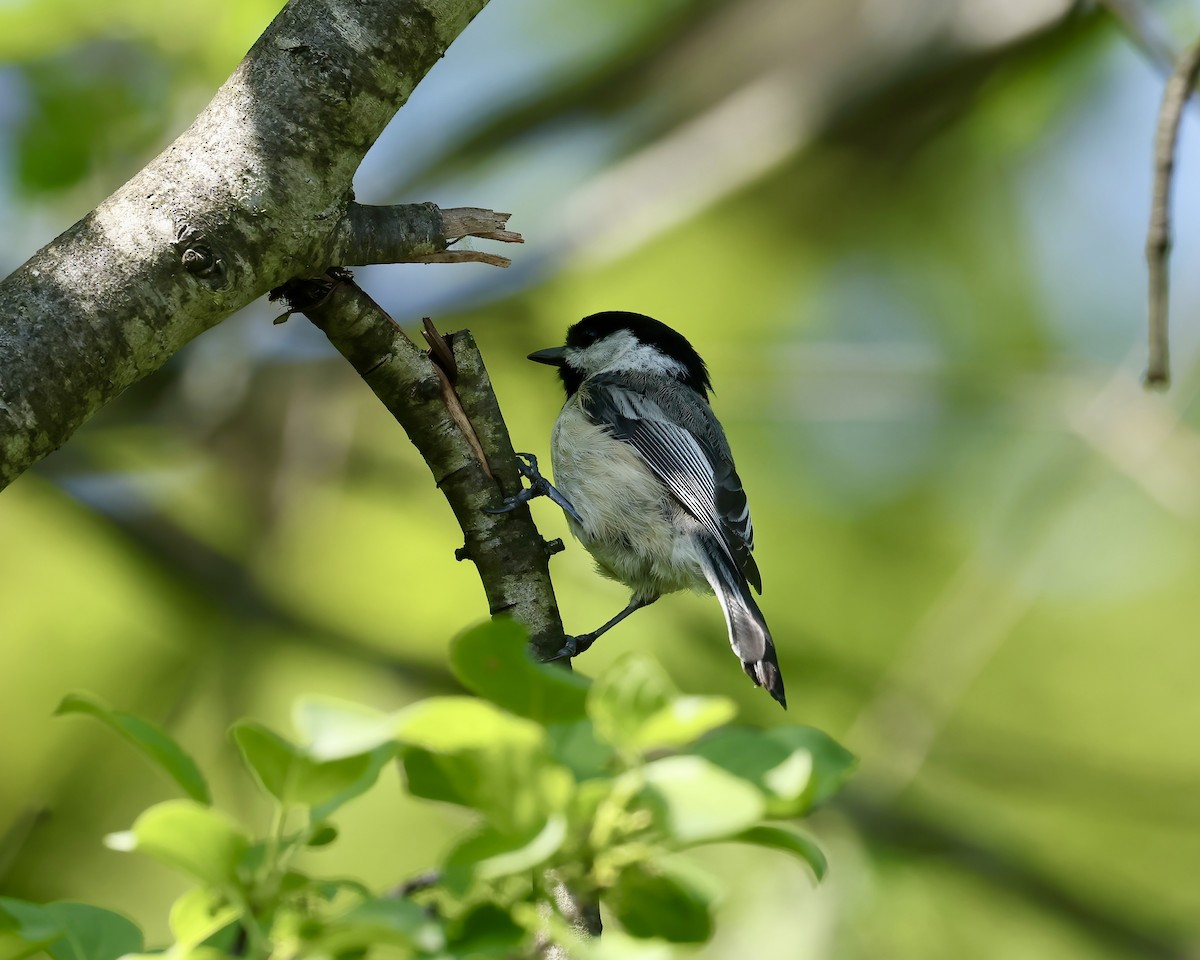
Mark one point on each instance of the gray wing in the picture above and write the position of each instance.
(675, 431)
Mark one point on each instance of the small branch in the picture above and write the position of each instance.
(422, 881)
(465, 256)
(417, 233)
(478, 222)
(447, 370)
(509, 553)
(1158, 238)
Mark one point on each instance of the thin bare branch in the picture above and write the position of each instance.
(447, 367)
(422, 881)
(1158, 237)
(466, 256)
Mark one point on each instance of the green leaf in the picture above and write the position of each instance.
(683, 720)
(331, 888)
(576, 746)
(486, 928)
(493, 661)
(392, 920)
(92, 933)
(73, 931)
(332, 729)
(288, 774)
(832, 764)
(377, 759)
(199, 914)
(489, 854)
(323, 835)
(150, 739)
(452, 724)
(796, 768)
(663, 901)
(200, 841)
(515, 790)
(593, 796)
(695, 801)
(625, 696)
(466, 751)
(32, 922)
(779, 838)
(635, 707)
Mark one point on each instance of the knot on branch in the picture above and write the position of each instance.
(197, 257)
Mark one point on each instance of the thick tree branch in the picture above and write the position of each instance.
(257, 191)
(510, 554)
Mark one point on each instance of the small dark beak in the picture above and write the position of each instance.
(551, 355)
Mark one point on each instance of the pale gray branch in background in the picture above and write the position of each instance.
(1145, 30)
(1158, 237)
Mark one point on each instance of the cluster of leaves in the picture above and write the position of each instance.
(596, 785)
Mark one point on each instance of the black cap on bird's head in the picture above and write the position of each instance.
(619, 339)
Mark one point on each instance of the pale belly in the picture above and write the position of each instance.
(632, 527)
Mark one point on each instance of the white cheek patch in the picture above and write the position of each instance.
(647, 359)
(596, 357)
(623, 351)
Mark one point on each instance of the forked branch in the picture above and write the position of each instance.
(451, 415)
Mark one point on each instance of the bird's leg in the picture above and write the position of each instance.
(577, 645)
(539, 486)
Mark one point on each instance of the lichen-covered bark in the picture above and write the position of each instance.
(255, 192)
(515, 553)
(509, 553)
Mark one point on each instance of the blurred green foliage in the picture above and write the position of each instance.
(577, 786)
(910, 251)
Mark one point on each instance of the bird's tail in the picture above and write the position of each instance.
(748, 633)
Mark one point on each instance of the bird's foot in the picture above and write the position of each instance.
(539, 486)
(574, 647)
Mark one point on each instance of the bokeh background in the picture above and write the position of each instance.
(905, 234)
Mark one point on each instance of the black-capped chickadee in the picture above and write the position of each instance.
(642, 459)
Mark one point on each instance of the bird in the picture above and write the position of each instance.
(649, 480)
